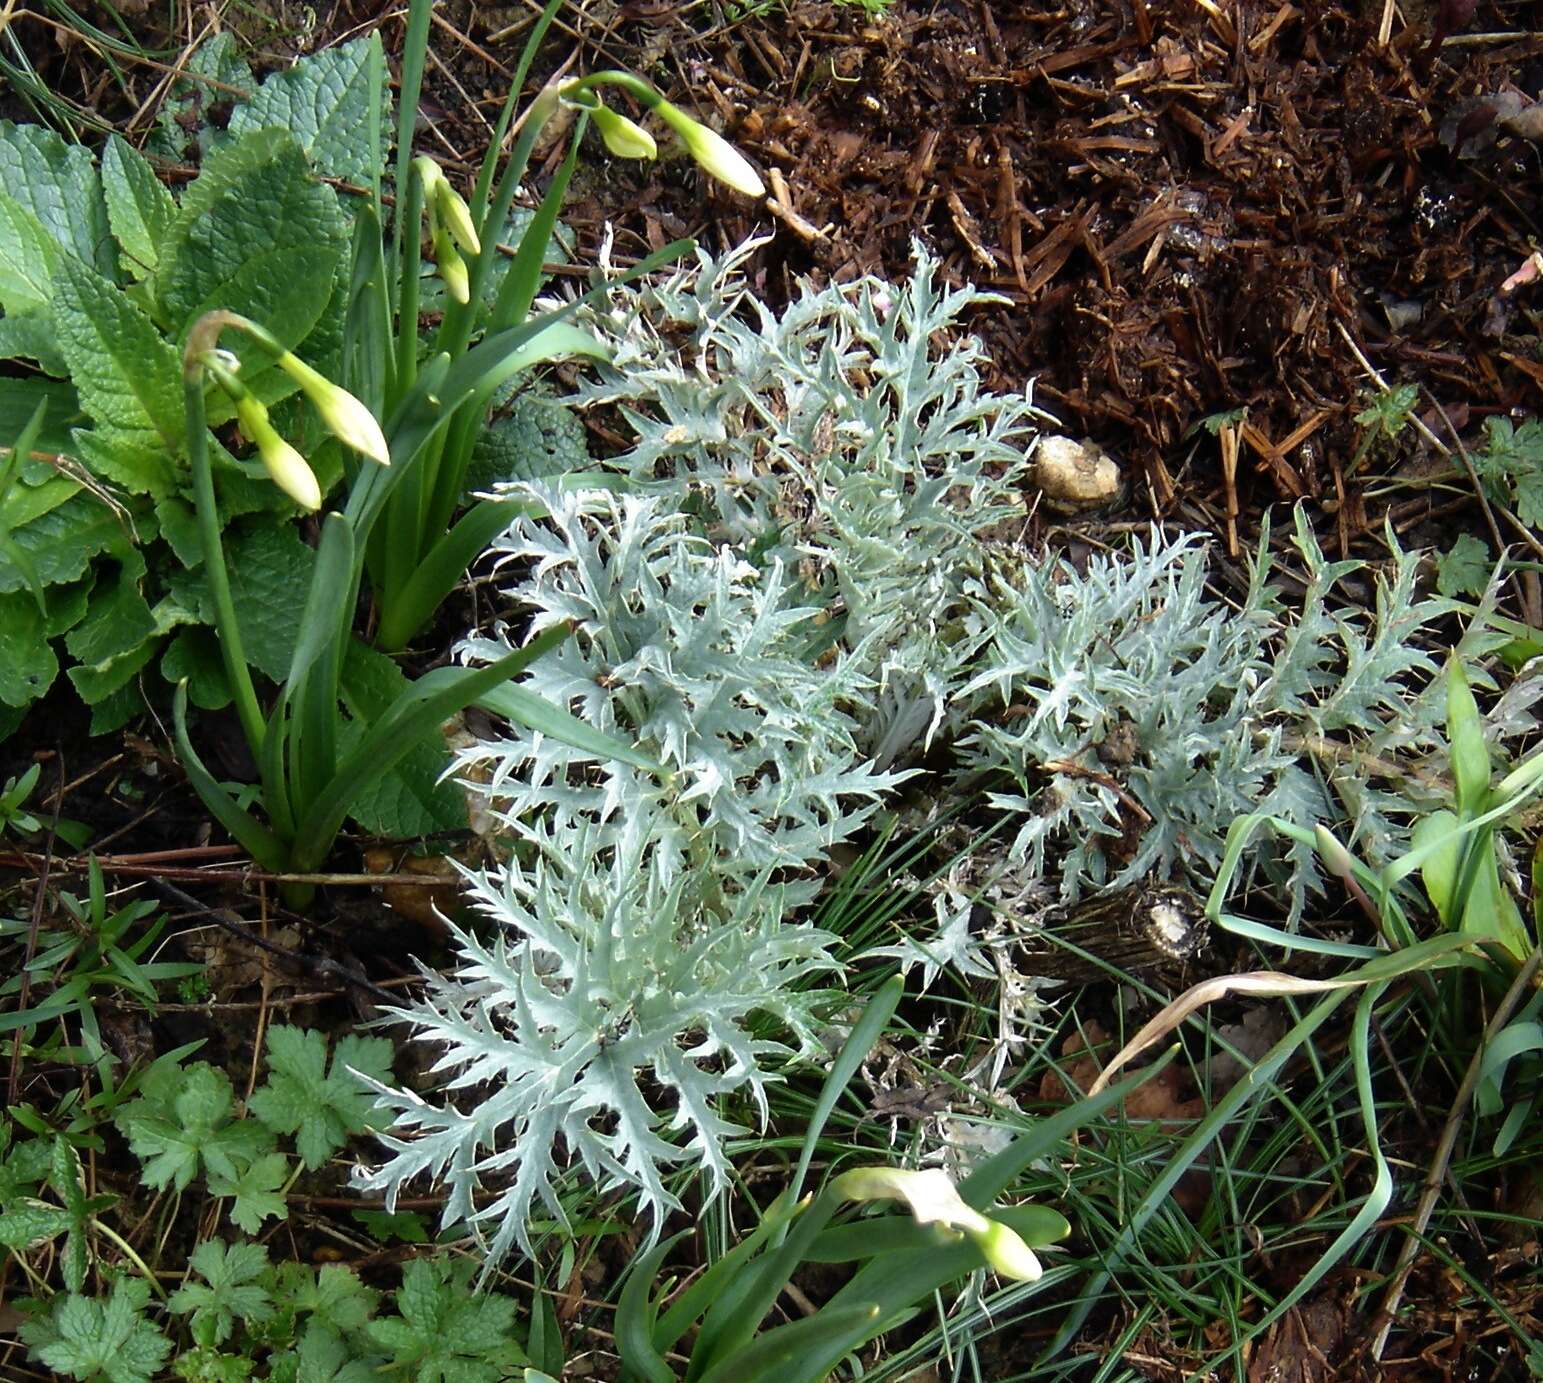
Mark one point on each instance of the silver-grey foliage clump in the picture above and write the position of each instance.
(814, 574)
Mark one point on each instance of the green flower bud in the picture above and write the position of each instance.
(623, 137)
(346, 417)
(446, 205)
(1005, 1252)
(285, 466)
(933, 1199)
(715, 154)
(452, 268)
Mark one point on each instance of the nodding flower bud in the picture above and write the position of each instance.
(285, 466)
(623, 137)
(710, 149)
(452, 268)
(346, 418)
(446, 205)
(933, 1199)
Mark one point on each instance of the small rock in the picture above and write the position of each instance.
(1076, 477)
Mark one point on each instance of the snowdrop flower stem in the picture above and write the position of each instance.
(709, 148)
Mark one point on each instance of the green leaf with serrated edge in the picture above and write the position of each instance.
(31, 500)
(182, 125)
(270, 576)
(184, 1119)
(89, 1338)
(27, 663)
(410, 800)
(113, 710)
(139, 208)
(29, 258)
(1464, 568)
(230, 1291)
(205, 1364)
(62, 541)
(324, 102)
(331, 1295)
(323, 1107)
(179, 526)
(254, 1192)
(408, 1226)
(119, 619)
(96, 683)
(256, 839)
(138, 463)
(57, 181)
(126, 374)
(256, 234)
(67, 606)
(193, 656)
(445, 1329)
(30, 335)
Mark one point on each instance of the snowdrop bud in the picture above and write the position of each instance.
(930, 1195)
(933, 1199)
(346, 417)
(285, 466)
(1005, 1252)
(710, 149)
(452, 268)
(623, 137)
(456, 215)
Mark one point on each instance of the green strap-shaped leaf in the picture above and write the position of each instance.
(524, 707)
(253, 837)
(634, 1317)
(429, 702)
(785, 1353)
(437, 574)
(313, 673)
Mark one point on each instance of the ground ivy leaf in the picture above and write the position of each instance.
(324, 102)
(229, 1292)
(139, 208)
(57, 181)
(255, 1189)
(321, 1107)
(126, 374)
(256, 234)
